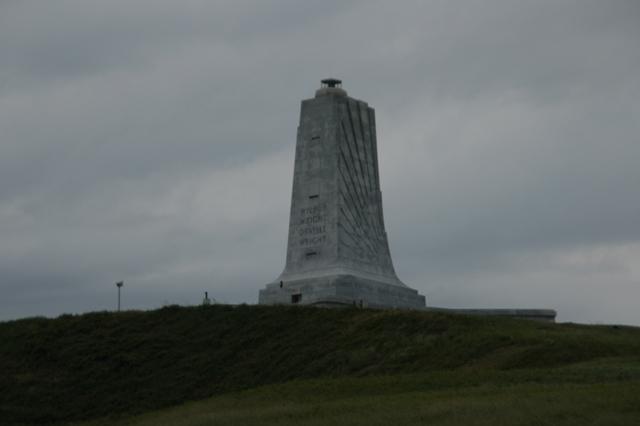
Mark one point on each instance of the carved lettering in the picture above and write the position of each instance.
(312, 241)
(311, 225)
(313, 210)
(312, 230)
(309, 220)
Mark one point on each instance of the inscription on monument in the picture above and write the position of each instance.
(312, 228)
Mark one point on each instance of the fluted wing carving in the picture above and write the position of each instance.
(362, 235)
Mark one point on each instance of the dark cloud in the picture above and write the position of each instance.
(152, 141)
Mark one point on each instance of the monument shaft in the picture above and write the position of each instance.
(337, 252)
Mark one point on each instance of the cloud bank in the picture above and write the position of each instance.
(152, 142)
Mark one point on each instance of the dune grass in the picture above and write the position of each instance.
(603, 393)
(83, 367)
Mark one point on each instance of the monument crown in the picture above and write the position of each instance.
(331, 82)
(337, 251)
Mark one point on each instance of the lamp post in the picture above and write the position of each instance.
(119, 285)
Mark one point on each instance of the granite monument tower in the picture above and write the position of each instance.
(338, 252)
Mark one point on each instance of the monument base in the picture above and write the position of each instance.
(341, 290)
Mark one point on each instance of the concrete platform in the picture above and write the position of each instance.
(342, 290)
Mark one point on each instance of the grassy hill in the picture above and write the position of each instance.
(289, 365)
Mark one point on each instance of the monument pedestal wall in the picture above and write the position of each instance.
(342, 290)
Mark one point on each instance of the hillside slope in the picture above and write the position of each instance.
(604, 393)
(115, 364)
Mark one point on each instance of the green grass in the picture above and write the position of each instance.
(78, 368)
(603, 393)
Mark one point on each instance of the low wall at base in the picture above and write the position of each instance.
(548, 315)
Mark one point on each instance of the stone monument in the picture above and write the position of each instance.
(338, 253)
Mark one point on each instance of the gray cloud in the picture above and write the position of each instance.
(152, 141)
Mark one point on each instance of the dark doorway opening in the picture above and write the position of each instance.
(295, 298)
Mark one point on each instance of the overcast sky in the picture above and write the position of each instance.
(153, 142)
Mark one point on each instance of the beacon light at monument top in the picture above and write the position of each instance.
(338, 253)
